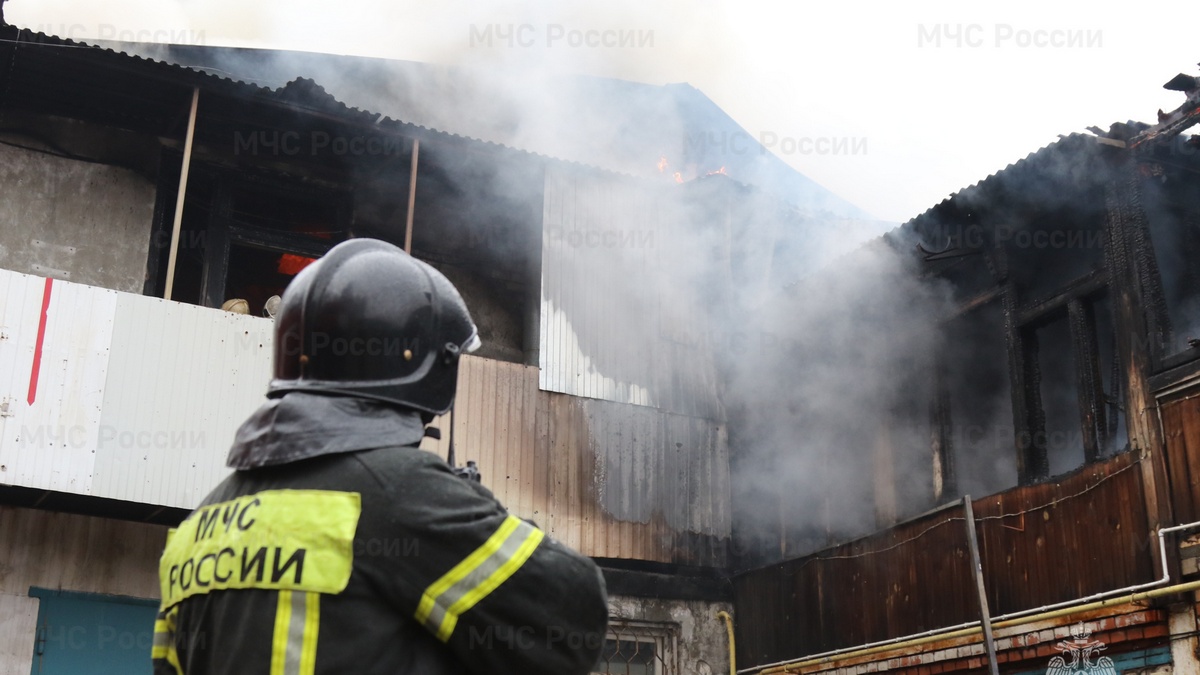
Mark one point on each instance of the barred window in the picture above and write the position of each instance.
(637, 648)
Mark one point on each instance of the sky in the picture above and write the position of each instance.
(891, 105)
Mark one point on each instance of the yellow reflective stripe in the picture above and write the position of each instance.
(312, 622)
(489, 584)
(462, 569)
(279, 640)
(164, 641)
(294, 642)
(476, 576)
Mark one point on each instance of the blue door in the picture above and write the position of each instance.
(85, 634)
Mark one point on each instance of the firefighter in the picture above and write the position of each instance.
(338, 546)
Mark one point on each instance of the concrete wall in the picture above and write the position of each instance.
(67, 219)
(701, 643)
(59, 551)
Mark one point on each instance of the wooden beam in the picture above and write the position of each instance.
(1127, 226)
(945, 475)
(1029, 429)
(179, 199)
(975, 303)
(1086, 285)
(412, 197)
(1089, 384)
(985, 614)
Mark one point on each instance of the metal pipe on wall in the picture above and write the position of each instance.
(723, 615)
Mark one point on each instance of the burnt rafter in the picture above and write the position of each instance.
(950, 251)
(1175, 122)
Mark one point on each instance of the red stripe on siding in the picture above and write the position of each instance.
(41, 338)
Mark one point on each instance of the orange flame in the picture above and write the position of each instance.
(291, 264)
(678, 177)
(720, 171)
(662, 164)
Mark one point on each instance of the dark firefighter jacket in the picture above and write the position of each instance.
(337, 546)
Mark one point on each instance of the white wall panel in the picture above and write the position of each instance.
(49, 433)
(622, 298)
(138, 398)
(181, 380)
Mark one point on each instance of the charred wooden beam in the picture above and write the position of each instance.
(1089, 383)
(975, 302)
(945, 477)
(1126, 257)
(1089, 284)
(1029, 424)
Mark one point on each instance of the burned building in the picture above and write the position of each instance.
(1023, 442)
(141, 197)
(677, 381)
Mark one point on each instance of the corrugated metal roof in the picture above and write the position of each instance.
(900, 236)
(300, 93)
(1073, 142)
(616, 125)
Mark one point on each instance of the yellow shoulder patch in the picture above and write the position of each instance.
(278, 539)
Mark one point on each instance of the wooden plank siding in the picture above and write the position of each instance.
(613, 480)
(1181, 426)
(1039, 544)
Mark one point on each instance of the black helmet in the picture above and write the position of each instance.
(370, 320)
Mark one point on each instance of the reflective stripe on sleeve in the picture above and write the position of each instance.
(294, 642)
(480, 573)
(163, 646)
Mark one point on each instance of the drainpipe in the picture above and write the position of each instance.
(729, 630)
(183, 180)
(1096, 601)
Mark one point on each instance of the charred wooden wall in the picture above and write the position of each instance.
(1181, 426)
(1039, 544)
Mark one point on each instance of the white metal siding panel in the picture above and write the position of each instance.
(621, 317)
(50, 442)
(598, 234)
(181, 380)
(138, 398)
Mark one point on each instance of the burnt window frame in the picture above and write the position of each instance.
(1075, 302)
(224, 230)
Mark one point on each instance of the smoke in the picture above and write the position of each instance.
(825, 358)
(816, 372)
(832, 394)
